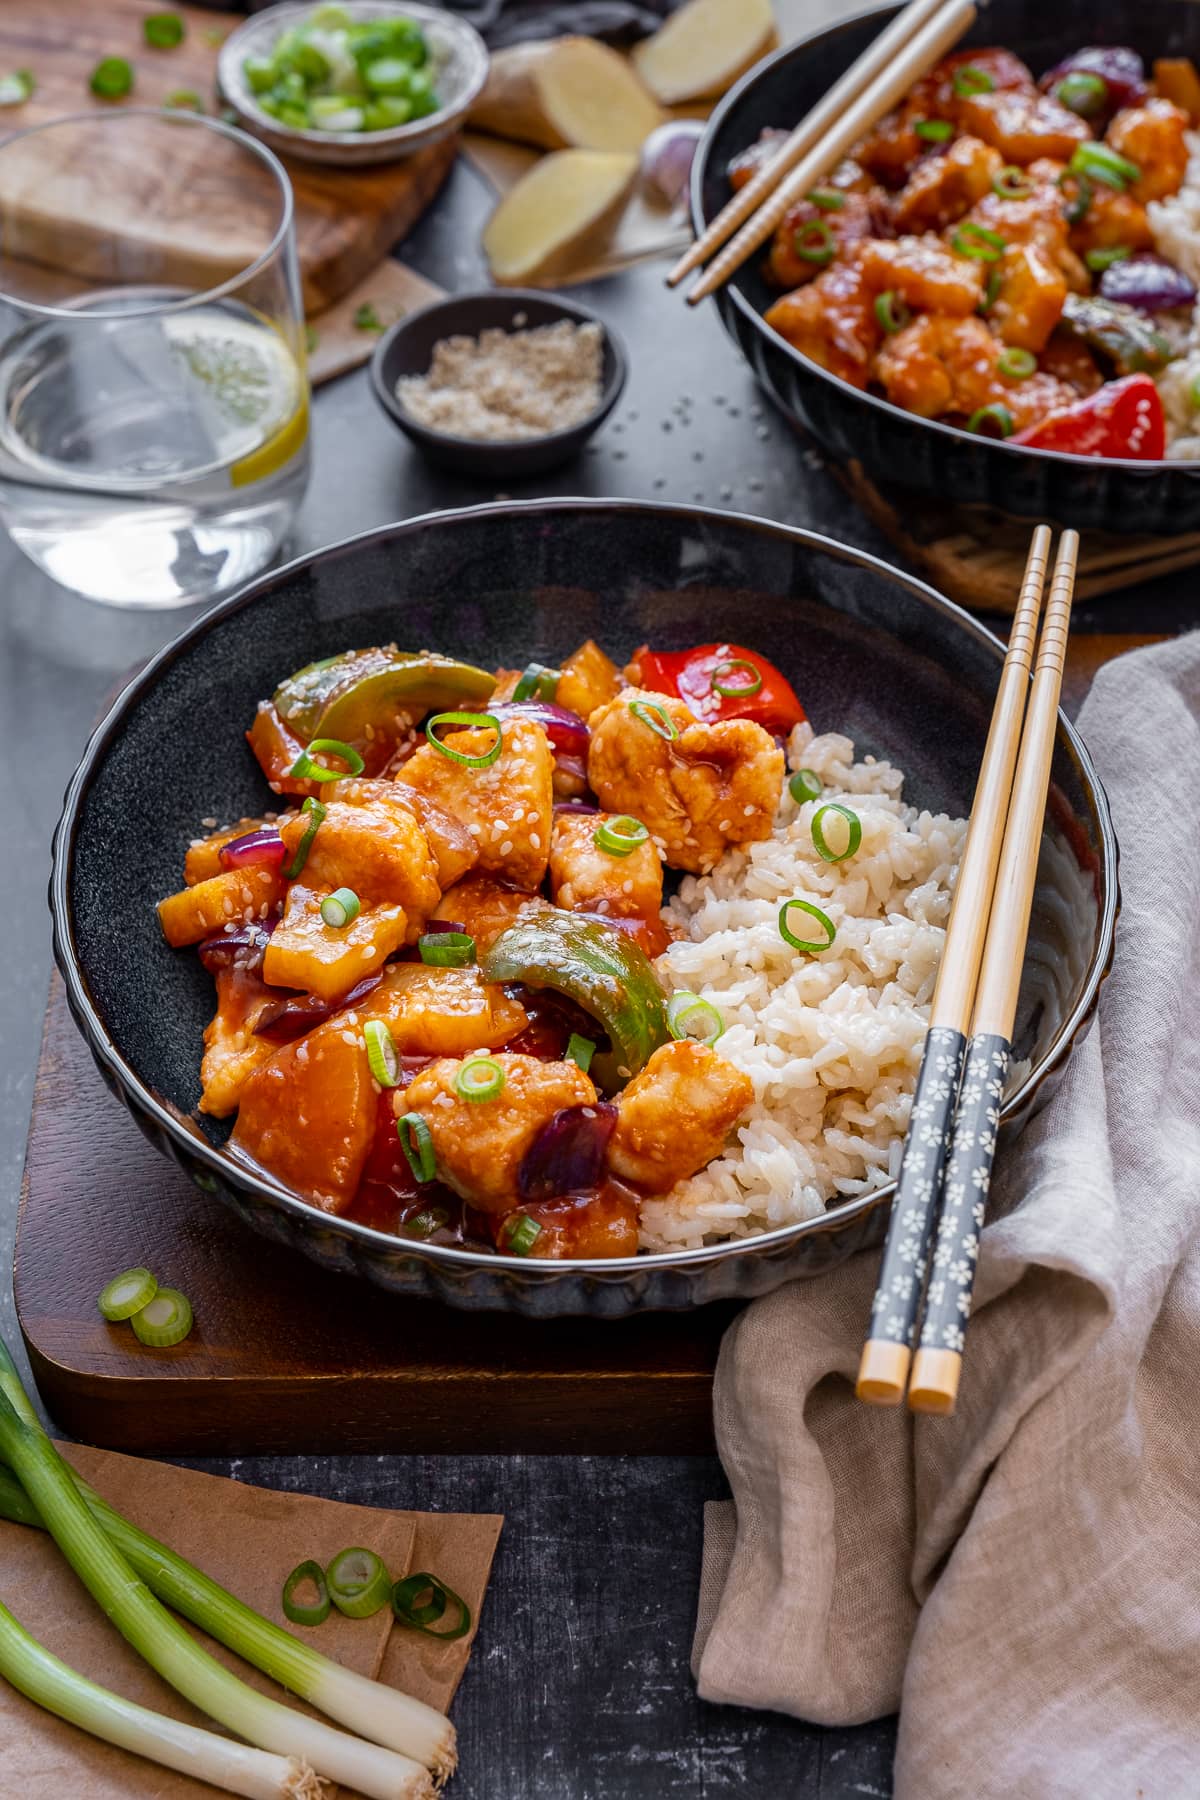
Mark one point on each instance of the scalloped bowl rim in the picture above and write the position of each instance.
(1140, 465)
(241, 1175)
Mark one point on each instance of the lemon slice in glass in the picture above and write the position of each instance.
(245, 388)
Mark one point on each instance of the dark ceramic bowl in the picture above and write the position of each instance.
(873, 653)
(895, 446)
(407, 349)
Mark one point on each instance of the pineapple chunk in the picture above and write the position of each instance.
(234, 898)
(444, 1012)
(304, 952)
(308, 1115)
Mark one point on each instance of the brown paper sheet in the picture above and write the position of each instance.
(248, 1539)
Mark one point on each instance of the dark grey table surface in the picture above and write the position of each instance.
(579, 1686)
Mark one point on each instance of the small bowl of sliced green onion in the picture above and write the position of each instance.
(352, 83)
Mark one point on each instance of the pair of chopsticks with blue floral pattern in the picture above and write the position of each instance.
(928, 1268)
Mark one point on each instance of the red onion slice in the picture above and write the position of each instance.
(289, 1017)
(1147, 282)
(244, 946)
(567, 1156)
(1120, 68)
(255, 847)
(566, 730)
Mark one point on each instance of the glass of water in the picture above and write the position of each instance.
(153, 394)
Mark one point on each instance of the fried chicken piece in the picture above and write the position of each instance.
(1152, 136)
(484, 908)
(375, 847)
(1030, 296)
(507, 806)
(938, 365)
(847, 225)
(924, 273)
(1023, 126)
(1111, 218)
(480, 1144)
(585, 878)
(676, 1114)
(699, 792)
(454, 850)
(894, 149)
(943, 187)
(832, 322)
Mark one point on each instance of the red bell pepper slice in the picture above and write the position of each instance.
(689, 674)
(1123, 418)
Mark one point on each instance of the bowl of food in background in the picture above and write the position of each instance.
(499, 385)
(993, 299)
(355, 83)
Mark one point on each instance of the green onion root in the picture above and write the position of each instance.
(237, 1768)
(373, 1710)
(378, 1773)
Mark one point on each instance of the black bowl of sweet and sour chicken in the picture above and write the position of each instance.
(993, 298)
(481, 906)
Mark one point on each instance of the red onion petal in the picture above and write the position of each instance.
(566, 730)
(567, 1156)
(1147, 282)
(262, 846)
(289, 1017)
(245, 946)
(1119, 67)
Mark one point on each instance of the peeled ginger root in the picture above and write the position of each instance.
(566, 93)
(704, 47)
(559, 216)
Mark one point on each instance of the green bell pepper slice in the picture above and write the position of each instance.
(601, 970)
(342, 695)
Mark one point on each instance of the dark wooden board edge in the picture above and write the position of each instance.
(285, 1357)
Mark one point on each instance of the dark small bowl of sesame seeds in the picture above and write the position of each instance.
(500, 384)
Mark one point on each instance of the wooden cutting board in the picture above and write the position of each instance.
(346, 219)
(285, 1357)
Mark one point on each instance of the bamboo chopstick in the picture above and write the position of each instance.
(938, 1362)
(914, 59)
(883, 1369)
(873, 61)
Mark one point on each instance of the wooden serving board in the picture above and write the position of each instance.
(347, 220)
(285, 1357)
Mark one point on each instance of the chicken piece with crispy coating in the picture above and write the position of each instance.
(375, 847)
(506, 806)
(808, 238)
(1030, 293)
(1023, 126)
(943, 187)
(484, 907)
(923, 273)
(1152, 136)
(480, 1144)
(832, 321)
(699, 789)
(676, 1114)
(586, 878)
(937, 366)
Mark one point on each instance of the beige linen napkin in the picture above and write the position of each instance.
(1022, 1580)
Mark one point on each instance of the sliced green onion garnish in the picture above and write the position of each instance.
(804, 785)
(620, 836)
(306, 1612)
(1097, 260)
(340, 908)
(1011, 183)
(991, 291)
(382, 1055)
(1017, 364)
(977, 242)
(519, 1234)
(184, 100)
(735, 689)
(479, 1078)
(366, 318)
(650, 713)
(417, 1145)
(691, 1016)
(580, 1051)
(814, 242)
(1194, 391)
(853, 826)
(466, 721)
(112, 78)
(537, 683)
(412, 1609)
(127, 1293)
(16, 88)
(316, 812)
(992, 421)
(447, 949)
(934, 131)
(891, 313)
(164, 1321)
(826, 199)
(1082, 93)
(426, 1222)
(971, 79)
(305, 768)
(1102, 163)
(823, 919)
(359, 1584)
(1076, 209)
(162, 31)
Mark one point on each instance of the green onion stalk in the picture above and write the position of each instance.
(237, 1768)
(124, 1568)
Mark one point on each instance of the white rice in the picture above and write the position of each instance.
(831, 1042)
(1175, 226)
